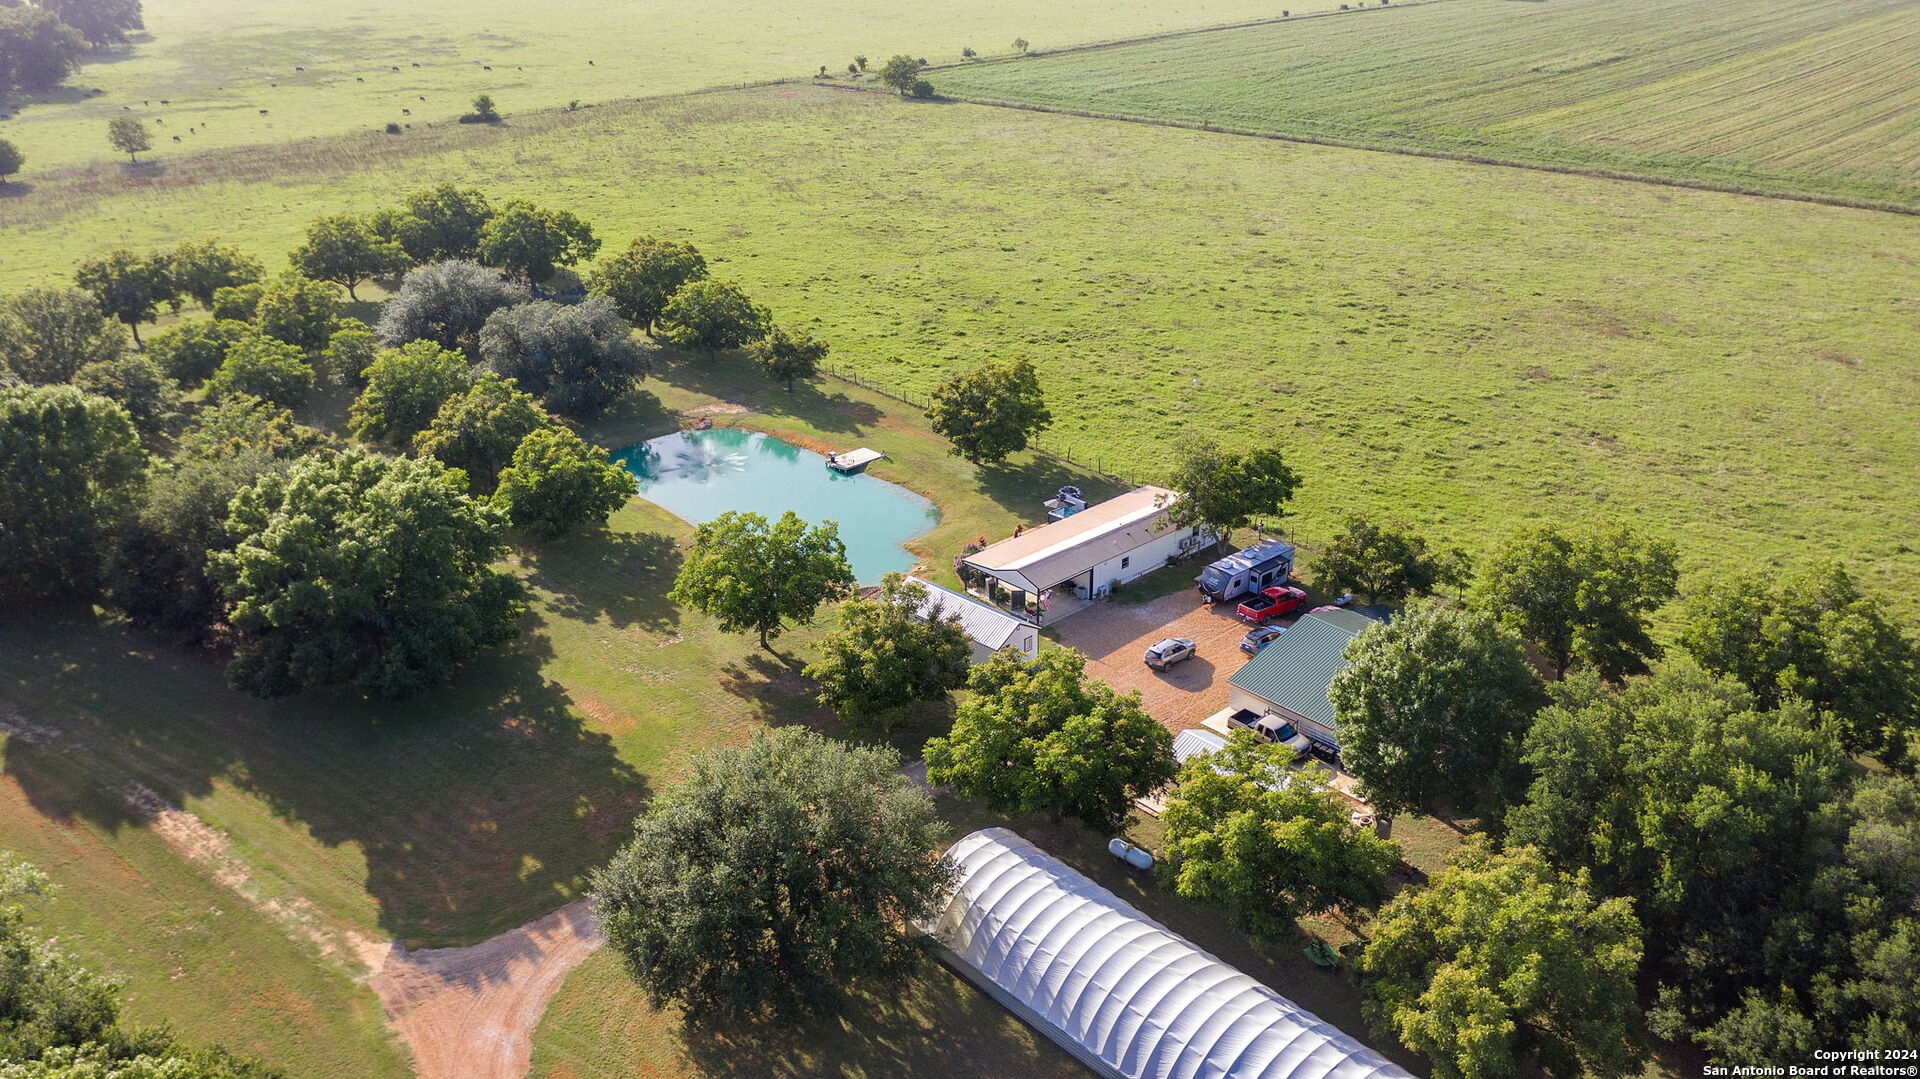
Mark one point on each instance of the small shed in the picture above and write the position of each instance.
(990, 628)
(1126, 996)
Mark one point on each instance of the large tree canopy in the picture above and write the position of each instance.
(259, 366)
(50, 333)
(1385, 561)
(1221, 490)
(576, 359)
(1677, 793)
(101, 22)
(70, 466)
(1038, 736)
(191, 352)
(1503, 968)
(130, 287)
(477, 431)
(1433, 705)
(884, 656)
(300, 311)
(203, 268)
(438, 224)
(754, 577)
(346, 250)
(787, 355)
(406, 388)
(775, 878)
(713, 316)
(354, 569)
(1582, 595)
(1246, 830)
(37, 49)
(1814, 635)
(641, 279)
(446, 303)
(139, 385)
(556, 482)
(530, 242)
(160, 575)
(990, 412)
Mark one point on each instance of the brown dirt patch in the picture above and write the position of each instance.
(469, 1013)
(1114, 636)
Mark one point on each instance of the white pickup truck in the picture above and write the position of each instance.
(1271, 728)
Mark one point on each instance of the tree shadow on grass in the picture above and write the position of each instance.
(1024, 484)
(733, 378)
(933, 1024)
(635, 417)
(621, 577)
(15, 189)
(773, 689)
(473, 807)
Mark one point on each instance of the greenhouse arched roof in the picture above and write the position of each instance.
(1128, 997)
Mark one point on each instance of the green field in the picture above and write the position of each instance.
(1470, 347)
(1811, 96)
(326, 68)
(439, 820)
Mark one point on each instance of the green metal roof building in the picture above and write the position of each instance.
(1290, 676)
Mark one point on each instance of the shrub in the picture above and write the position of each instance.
(262, 367)
(393, 128)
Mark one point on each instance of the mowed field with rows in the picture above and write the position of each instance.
(220, 73)
(1818, 97)
(1467, 346)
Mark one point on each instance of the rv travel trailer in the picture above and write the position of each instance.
(1267, 563)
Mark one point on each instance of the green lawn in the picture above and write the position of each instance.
(223, 73)
(1469, 347)
(1809, 96)
(441, 819)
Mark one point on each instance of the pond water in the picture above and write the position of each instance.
(699, 475)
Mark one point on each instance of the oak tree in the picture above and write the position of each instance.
(752, 576)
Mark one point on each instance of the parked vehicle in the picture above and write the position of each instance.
(1273, 603)
(1259, 637)
(1170, 651)
(1271, 728)
(1262, 565)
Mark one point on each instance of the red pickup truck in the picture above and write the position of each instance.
(1272, 603)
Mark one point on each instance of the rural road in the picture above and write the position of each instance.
(469, 1013)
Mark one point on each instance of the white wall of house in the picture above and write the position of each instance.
(1143, 559)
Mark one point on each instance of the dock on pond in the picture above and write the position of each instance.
(853, 460)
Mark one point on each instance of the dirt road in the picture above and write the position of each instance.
(469, 1013)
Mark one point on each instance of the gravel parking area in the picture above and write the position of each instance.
(1115, 635)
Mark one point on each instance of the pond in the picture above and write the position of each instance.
(699, 475)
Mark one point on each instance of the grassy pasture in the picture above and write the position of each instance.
(439, 820)
(1468, 346)
(324, 68)
(1810, 96)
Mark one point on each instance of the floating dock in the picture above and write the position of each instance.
(853, 460)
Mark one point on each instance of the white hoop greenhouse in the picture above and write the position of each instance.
(1122, 993)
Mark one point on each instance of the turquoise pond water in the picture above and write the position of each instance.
(699, 475)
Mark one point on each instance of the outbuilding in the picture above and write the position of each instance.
(1125, 995)
(990, 628)
(1049, 572)
(1289, 676)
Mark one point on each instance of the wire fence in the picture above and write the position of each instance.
(1096, 465)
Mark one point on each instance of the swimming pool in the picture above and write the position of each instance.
(699, 475)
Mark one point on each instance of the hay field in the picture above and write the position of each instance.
(1817, 97)
(206, 69)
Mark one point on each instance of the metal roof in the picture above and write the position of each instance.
(1059, 551)
(1295, 669)
(990, 626)
(1127, 996)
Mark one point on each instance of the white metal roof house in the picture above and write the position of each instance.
(1084, 555)
(1123, 994)
(991, 628)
